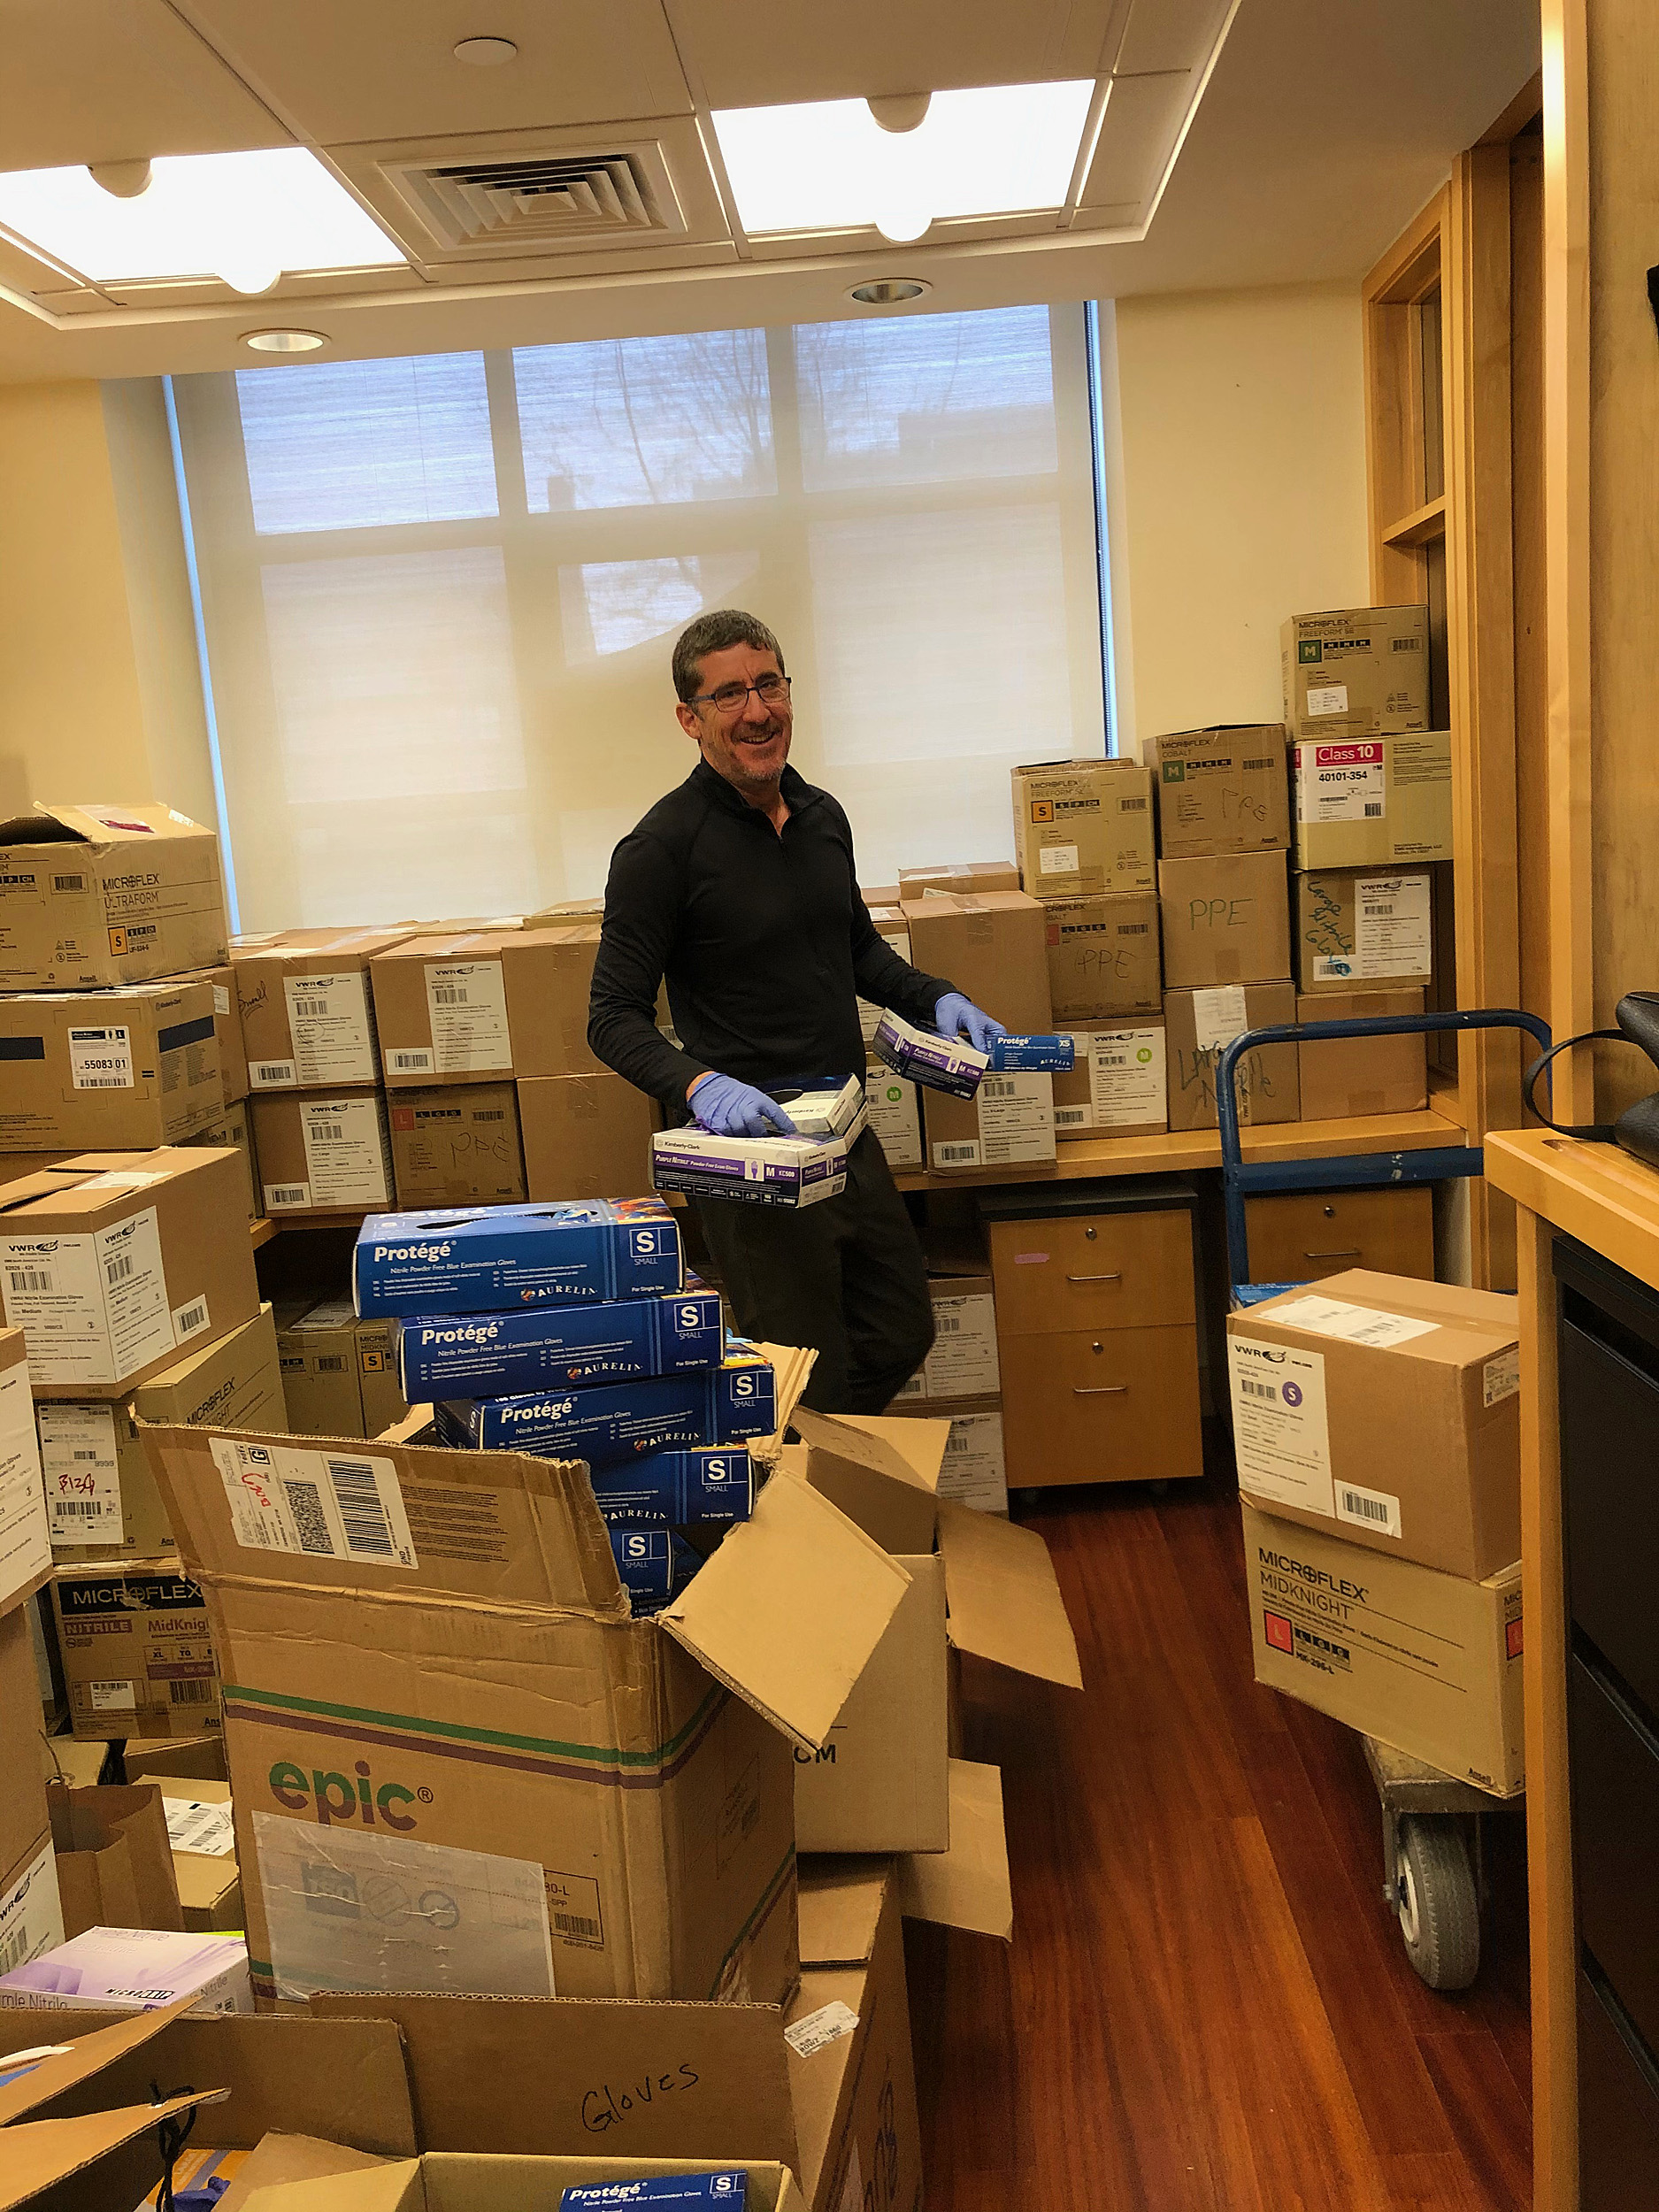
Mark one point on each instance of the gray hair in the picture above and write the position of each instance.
(716, 632)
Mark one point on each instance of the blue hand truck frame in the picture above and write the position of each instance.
(1433, 1855)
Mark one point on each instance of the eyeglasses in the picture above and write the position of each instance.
(770, 689)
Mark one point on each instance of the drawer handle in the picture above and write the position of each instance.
(1353, 1252)
(1096, 1278)
(1099, 1390)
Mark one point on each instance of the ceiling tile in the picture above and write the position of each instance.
(116, 81)
(347, 70)
(1143, 116)
(1170, 34)
(763, 53)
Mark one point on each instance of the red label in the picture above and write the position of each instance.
(1277, 1628)
(403, 1117)
(1512, 1638)
(1358, 756)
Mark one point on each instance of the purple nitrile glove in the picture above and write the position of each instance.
(959, 1017)
(727, 1108)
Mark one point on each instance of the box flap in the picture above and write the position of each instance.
(789, 1609)
(967, 1887)
(792, 1367)
(362, 2189)
(68, 2056)
(840, 1907)
(1003, 1596)
(277, 2159)
(1491, 1318)
(40, 2153)
(905, 1448)
(93, 823)
(550, 2075)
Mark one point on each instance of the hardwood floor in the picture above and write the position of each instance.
(1205, 2004)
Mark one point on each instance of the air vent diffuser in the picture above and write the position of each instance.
(611, 194)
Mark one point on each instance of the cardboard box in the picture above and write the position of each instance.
(1356, 672)
(1082, 827)
(566, 912)
(1373, 802)
(1355, 928)
(31, 1912)
(457, 1260)
(962, 1362)
(98, 1070)
(307, 1010)
(232, 1057)
(549, 978)
(114, 1263)
(1226, 919)
(440, 1010)
(1198, 1025)
(137, 1652)
(975, 1469)
(894, 1108)
(1118, 1086)
(1008, 1122)
(26, 1555)
(203, 1839)
(234, 1132)
(1424, 1660)
(586, 1136)
(966, 878)
(1362, 1075)
(1403, 1432)
(322, 1151)
(551, 1348)
(889, 922)
(106, 894)
(1222, 790)
(339, 1374)
(100, 1497)
(458, 1145)
(114, 1862)
(1103, 957)
(993, 947)
(684, 1888)
(194, 1758)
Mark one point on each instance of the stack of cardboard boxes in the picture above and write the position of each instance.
(1376, 1424)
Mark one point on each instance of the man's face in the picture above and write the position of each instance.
(748, 747)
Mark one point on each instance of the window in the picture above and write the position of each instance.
(440, 594)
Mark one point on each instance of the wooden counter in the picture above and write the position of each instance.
(1607, 1200)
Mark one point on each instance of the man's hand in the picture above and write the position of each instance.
(729, 1109)
(957, 1017)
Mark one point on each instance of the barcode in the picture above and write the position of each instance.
(1069, 1117)
(993, 1088)
(333, 1363)
(192, 1318)
(12, 1949)
(92, 1456)
(1378, 909)
(1408, 645)
(1366, 1509)
(328, 1131)
(118, 1267)
(1133, 929)
(310, 1009)
(497, 1113)
(88, 1508)
(1373, 809)
(1258, 763)
(361, 1512)
(1250, 1389)
(273, 1071)
(288, 1194)
(450, 994)
(411, 1059)
(1113, 1060)
(190, 1693)
(28, 1279)
(576, 1924)
(957, 1151)
(944, 1323)
(306, 1505)
(103, 1083)
(69, 883)
(1131, 806)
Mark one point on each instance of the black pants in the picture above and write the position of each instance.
(845, 1275)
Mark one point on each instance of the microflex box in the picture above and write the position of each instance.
(940, 1063)
(615, 1421)
(496, 1259)
(1054, 1056)
(679, 1487)
(652, 1564)
(496, 1354)
(92, 894)
(761, 1170)
(727, 2192)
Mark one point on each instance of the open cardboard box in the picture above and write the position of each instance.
(466, 1702)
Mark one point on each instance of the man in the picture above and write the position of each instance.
(742, 888)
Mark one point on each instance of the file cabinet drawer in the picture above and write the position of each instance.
(1614, 1766)
(1107, 1270)
(1301, 1235)
(1609, 1468)
(1117, 1406)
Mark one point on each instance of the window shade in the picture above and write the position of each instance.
(441, 594)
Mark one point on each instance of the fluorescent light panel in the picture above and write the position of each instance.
(827, 165)
(246, 217)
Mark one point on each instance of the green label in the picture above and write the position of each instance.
(1308, 649)
(1175, 772)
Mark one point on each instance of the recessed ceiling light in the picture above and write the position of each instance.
(888, 291)
(245, 218)
(486, 53)
(284, 340)
(829, 165)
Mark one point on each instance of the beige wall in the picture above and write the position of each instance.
(1235, 493)
(99, 697)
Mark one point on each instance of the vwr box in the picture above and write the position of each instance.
(496, 1355)
(458, 1259)
(611, 1423)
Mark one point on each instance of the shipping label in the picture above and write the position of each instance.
(466, 1002)
(1280, 1436)
(1391, 926)
(205, 1829)
(1355, 1324)
(1218, 1017)
(101, 1059)
(1500, 1377)
(973, 1472)
(331, 1026)
(1375, 1509)
(31, 1917)
(345, 1152)
(895, 1114)
(81, 1470)
(1015, 1121)
(1128, 1077)
(326, 1504)
(94, 1305)
(963, 1363)
(25, 1543)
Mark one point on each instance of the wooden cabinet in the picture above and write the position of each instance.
(1301, 1235)
(1096, 1325)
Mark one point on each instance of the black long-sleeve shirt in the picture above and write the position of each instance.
(764, 940)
